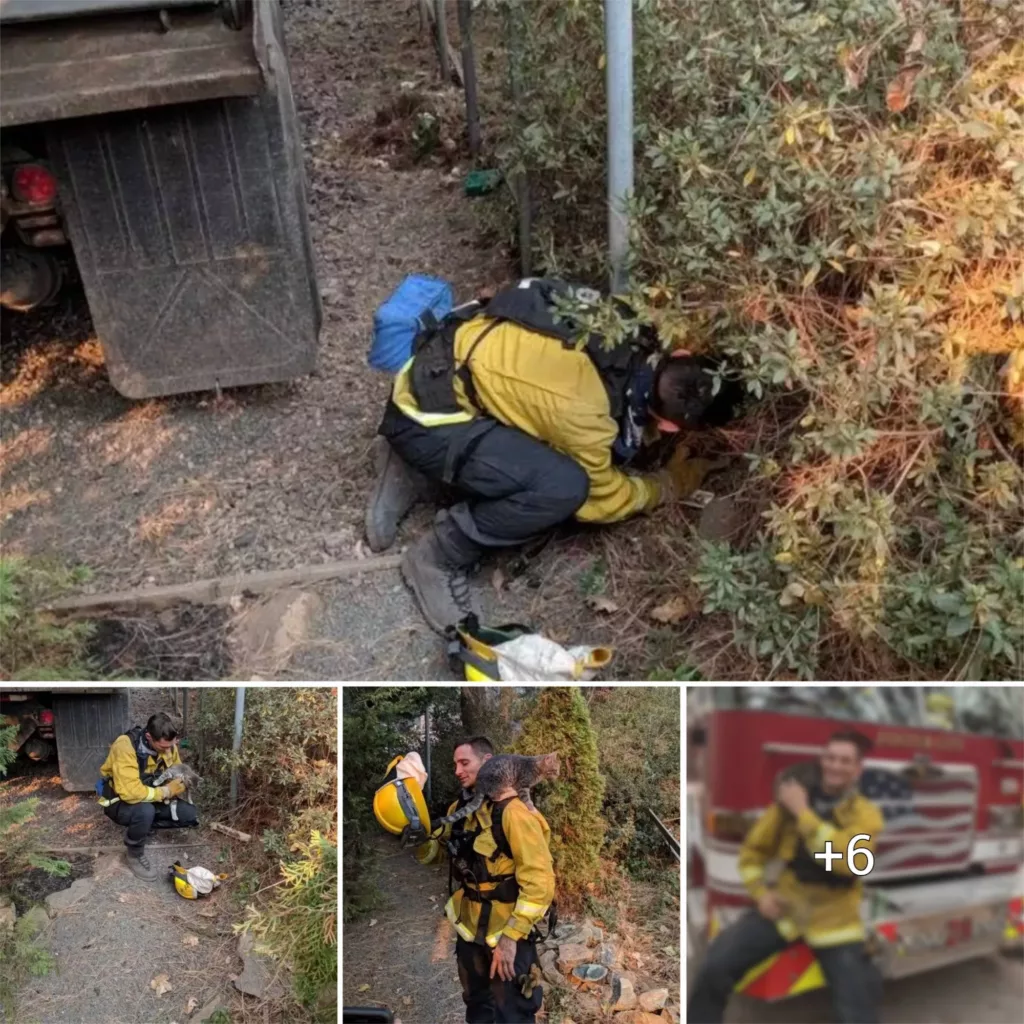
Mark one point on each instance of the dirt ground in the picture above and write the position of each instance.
(124, 932)
(395, 958)
(171, 490)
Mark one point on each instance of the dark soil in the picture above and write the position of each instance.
(35, 885)
(185, 644)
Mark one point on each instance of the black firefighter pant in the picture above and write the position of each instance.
(853, 980)
(140, 819)
(514, 486)
(490, 999)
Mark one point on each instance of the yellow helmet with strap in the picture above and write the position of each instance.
(399, 805)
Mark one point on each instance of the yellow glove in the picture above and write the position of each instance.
(683, 475)
(173, 788)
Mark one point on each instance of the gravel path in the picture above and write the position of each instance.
(400, 962)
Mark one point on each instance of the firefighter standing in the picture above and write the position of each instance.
(500, 858)
(821, 907)
(130, 799)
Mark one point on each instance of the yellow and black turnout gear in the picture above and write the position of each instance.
(822, 907)
(500, 859)
(516, 363)
(129, 770)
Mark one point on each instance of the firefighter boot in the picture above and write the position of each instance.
(138, 863)
(435, 570)
(397, 489)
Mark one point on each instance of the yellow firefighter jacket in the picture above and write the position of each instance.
(122, 768)
(551, 392)
(528, 835)
(822, 915)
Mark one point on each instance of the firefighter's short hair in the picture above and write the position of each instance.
(858, 739)
(162, 727)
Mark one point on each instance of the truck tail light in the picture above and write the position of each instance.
(1006, 819)
(46, 717)
(730, 825)
(33, 183)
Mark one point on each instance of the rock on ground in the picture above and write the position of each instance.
(67, 898)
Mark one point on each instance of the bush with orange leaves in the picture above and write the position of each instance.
(832, 195)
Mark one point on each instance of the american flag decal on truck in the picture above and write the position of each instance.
(929, 816)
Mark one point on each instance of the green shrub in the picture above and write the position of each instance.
(35, 645)
(299, 924)
(829, 193)
(638, 741)
(560, 721)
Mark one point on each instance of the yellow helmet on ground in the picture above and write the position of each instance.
(398, 805)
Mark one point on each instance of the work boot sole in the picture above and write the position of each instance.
(139, 871)
(381, 535)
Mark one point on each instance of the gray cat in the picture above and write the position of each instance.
(507, 771)
(187, 775)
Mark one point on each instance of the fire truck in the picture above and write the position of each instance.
(946, 884)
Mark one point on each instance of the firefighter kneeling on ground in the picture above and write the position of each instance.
(821, 907)
(129, 797)
(501, 861)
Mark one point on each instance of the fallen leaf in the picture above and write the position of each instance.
(373, 921)
(406, 1001)
(160, 984)
(191, 1005)
(190, 940)
(363, 988)
(917, 42)
(901, 89)
(123, 897)
(672, 611)
(600, 603)
(433, 899)
(498, 580)
(855, 65)
(207, 912)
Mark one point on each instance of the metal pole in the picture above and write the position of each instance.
(426, 748)
(442, 41)
(465, 13)
(521, 185)
(236, 744)
(618, 28)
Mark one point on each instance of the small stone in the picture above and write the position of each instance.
(61, 901)
(720, 520)
(654, 1000)
(606, 954)
(549, 965)
(623, 994)
(640, 1017)
(571, 954)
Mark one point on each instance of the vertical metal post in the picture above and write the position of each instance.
(521, 185)
(441, 27)
(618, 28)
(236, 743)
(465, 13)
(426, 748)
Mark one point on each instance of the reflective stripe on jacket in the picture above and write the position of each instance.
(528, 835)
(552, 393)
(822, 915)
(122, 768)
